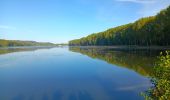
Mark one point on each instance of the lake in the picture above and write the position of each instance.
(74, 73)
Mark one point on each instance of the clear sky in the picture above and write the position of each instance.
(59, 21)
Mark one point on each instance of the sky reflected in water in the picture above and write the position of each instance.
(61, 74)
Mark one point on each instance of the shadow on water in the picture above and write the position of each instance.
(139, 60)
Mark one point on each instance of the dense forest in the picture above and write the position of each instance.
(154, 30)
(8, 43)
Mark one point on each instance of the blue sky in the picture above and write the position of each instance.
(59, 21)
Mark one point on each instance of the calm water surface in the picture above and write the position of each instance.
(64, 73)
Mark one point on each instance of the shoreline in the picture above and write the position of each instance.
(129, 47)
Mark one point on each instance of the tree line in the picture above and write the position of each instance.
(154, 30)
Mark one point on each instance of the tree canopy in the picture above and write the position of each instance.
(154, 30)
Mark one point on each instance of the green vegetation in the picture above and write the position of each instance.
(147, 31)
(139, 61)
(11, 43)
(161, 81)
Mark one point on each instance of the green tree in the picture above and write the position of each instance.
(161, 80)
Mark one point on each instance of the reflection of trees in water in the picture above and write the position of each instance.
(141, 61)
(20, 49)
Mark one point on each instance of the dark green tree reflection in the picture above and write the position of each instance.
(141, 61)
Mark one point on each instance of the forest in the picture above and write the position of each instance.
(11, 43)
(148, 31)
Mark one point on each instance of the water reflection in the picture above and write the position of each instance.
(6, 50)
(141, 61)
(59, 74)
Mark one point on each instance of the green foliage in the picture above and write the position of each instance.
(145, 31)
(6, 43)
(161, 81)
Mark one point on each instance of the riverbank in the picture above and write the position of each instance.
(130, 47)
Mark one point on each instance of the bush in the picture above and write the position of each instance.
(161, 79)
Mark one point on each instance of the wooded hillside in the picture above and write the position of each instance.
(154, 30)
